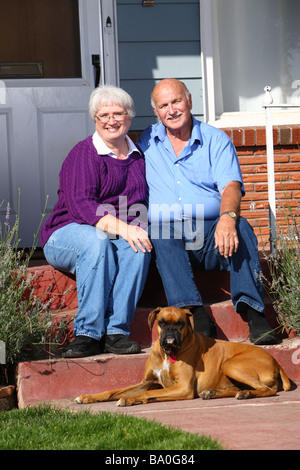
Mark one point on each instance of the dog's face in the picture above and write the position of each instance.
(173, 325)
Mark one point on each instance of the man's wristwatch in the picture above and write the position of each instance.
(231, 213)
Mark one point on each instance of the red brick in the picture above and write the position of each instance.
(252, 160)
(228, 132)
(285, 136)
(255, 197)
(287, 150)
(241, 151)
(249, 188)
(296, 135)
(287, 167)
(260, 136)
(254, 178)
(260, 150)
(238, 137)
(275, 136)
(249, 137)
(246, 169)
(262, 168)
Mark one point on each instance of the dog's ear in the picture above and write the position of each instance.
(190, 320)
(189, 317)
(152, 317)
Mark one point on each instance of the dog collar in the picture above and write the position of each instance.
(172, 358)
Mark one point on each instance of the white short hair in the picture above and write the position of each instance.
(106, 95)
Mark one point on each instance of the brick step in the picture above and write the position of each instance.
(230, 325)
(57, 379)
(50, 283)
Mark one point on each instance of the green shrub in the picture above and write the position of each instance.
(284, 266)
(26, 325)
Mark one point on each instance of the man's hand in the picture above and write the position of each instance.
(225, 234)
(226, 237)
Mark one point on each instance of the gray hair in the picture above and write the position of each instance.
(106, 95)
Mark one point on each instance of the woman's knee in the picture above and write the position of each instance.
(96, 245)
(82, 240)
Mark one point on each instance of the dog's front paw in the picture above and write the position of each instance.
(243, 395)
(83, 399)
(207, 394)
(125, 402)
(129, 401)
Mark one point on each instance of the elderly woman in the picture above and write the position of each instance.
(97, 228)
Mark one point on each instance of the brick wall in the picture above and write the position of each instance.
(251, 149)
(250, 144)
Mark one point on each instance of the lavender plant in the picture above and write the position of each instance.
(25, 322)
(284, 266)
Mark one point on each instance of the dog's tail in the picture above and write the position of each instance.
(286, 384)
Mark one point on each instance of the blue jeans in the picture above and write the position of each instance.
(110, 277)
(175, 264)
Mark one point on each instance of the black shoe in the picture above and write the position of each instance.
(82, 346)
(202, 322)
(260, 330)
(121, 344)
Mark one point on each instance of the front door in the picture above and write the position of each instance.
(52, 55)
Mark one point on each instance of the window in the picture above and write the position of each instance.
(39, 39)
(254, 44)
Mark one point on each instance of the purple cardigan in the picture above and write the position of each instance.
(93, 185)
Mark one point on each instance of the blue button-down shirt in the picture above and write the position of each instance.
(188, 186)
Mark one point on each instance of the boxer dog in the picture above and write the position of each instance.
(184, 364)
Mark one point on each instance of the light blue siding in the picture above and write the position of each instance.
(155, 43)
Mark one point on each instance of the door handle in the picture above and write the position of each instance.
(97, 68)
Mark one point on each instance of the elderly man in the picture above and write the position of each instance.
(195, 188)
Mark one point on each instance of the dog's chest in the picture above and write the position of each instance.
(163, 374)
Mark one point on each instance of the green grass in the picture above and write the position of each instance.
(44, 428)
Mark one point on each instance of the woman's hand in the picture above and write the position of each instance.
(133, 234)
(136, 237)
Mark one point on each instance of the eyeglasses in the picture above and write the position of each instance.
(104, 118)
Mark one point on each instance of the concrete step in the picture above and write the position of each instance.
(55, 379)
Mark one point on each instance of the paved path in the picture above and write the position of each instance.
(256, 424)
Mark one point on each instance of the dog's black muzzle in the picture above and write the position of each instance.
(170, 338)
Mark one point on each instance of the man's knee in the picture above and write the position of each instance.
(244, 228)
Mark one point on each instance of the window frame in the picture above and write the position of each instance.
(287, 115)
